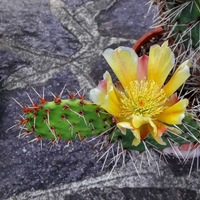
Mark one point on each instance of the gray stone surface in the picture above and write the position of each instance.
(30, 25)
(53, 43)
(127, 193)
(124, 20)
(10, 63)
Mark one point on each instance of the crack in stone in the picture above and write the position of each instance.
(92, 47)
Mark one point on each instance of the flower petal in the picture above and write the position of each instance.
(137, 138)
(171, 101)
(173, 114)
(142, 70)
(157, 129)
(123, 126)
(136, 132)
(97, 95)
(161, 61)
(108, 99)
(123, 62)
(179, 77)
(138, 121)
(144, 131)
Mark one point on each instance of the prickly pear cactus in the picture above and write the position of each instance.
(67, 119)
(73, 118)
(79, 119)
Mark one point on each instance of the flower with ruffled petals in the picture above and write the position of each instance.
(142, 102)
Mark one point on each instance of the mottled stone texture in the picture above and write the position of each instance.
(10, 63)
(53, 43)
(124, 20)
(75, 2)
(127, 193)
(29, 24)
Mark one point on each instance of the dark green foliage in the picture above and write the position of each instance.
(186, 15)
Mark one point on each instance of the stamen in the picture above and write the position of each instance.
(144, 98)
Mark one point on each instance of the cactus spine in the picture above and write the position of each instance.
(181, 22)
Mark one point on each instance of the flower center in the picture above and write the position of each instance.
(143, 98)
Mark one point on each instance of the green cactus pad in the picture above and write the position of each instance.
(187, 19)
(68, 119)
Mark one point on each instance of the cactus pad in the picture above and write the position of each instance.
(185, 15)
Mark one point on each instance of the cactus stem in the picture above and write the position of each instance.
(82, 116)
(82, 113)
(153, 146)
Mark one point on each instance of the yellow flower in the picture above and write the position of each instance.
(141, 102)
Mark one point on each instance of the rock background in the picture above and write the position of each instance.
(53, 43)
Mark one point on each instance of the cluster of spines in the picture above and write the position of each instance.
(148, 148)
(64, 119)
(181, 21)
